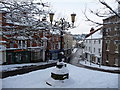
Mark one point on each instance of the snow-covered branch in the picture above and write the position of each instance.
(23, 17)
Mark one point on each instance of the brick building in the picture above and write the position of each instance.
(20, 40)
(111, 38)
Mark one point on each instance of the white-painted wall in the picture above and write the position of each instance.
(91, 43)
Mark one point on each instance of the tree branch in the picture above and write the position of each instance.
(105, 4)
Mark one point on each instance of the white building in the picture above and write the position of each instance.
(93, 46)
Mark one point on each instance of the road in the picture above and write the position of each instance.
(76, 58)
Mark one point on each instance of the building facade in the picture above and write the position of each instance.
(23, 42)
(111, 41)
(68, 44)
(93, 46)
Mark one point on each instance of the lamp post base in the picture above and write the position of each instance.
(59, 75)
(58, 83)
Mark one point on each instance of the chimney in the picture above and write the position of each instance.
(92, 29)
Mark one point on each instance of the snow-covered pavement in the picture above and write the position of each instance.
(99, 67)
(76, 60)
(79, 78)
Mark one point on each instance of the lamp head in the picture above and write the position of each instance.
(51, 16)
(73, 17)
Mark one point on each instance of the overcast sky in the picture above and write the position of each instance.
(63, 8)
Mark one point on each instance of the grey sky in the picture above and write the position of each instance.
(63, 8)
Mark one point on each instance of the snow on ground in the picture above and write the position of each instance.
(79, 78)
(97, 66)
(17, 66)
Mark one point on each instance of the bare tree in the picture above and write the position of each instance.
(99, 13)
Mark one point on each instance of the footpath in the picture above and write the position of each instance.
(92, 67)
(17, 69)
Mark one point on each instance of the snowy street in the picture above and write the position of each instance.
(76, 56)
(79, 78)
(75, 60)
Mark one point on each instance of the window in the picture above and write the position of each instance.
(107, 59)
(31, 44)
(107, 44)
(117, 31)
(58, 45)
(99, 61)
(99, 41)
(12, 44)
(99, 50)
(86, 48)
(19, 44)
(108, 30)
(89, 41)
(116, 48)
(94, 41)
(116, 62)
(116, 28)
(94, 49)
(23, 44)
(89, 48)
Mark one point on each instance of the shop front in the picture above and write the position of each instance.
(14, 56)
(36, 54)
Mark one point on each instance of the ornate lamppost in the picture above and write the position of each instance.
(60, 74)
(62, 24)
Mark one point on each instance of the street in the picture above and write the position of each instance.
(75, 60)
